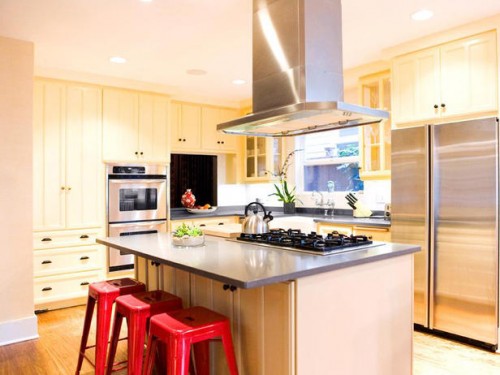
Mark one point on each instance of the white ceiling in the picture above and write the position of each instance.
(164, 38)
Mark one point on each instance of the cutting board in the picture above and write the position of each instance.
(226, 230)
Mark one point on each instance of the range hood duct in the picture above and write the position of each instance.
(297, 72)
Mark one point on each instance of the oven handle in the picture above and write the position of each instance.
(140, 224)
(149, 181)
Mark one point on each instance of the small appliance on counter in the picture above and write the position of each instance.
(254, 223)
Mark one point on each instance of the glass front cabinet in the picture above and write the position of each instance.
(375, 142)
(263, 157)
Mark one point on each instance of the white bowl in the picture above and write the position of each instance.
(188, 241)
(201, 211)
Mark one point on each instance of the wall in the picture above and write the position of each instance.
(17, 320)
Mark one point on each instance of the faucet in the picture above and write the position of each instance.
(321, 201)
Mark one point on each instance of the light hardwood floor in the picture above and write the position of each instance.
(56, 351)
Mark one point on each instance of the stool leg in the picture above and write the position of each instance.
(150, 355)
(136, 334)
(227, 342)
(85, 335)
(202, 357)
(178, 356)
(117, 325)
(104, 306)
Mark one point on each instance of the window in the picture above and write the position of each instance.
(329, 156)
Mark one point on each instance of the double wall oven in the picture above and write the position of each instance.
(136, 204)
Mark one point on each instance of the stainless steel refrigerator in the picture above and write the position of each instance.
(445, 199)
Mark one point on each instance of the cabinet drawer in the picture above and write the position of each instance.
(50, 240)
(374, 233)
(75, 259)
(55, 288)
(342, 229)
(215, 221)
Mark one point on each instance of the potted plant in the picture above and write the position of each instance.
(284, 193)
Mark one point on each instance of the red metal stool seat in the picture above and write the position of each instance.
(105, 294)
(179, 329)
(137, 309)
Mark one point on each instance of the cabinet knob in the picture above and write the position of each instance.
(136, 153)
(63, 188)
(84, 236)
(218, 142)
(180, 139)
(46, 289)
(184, 140)
(203, 225)
(68, 188)
(436, 106)
(142, 153)
(84, 257)
(47, 262)
(220, 224)
(443, 105)
(46, 239)
(222, 142)
(84, 283)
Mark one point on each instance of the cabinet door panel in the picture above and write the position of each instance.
(416, 86)
(48, 156)
(210, 118)
(468, 75)
(153, 127)
(84, 174)
(120, 124)
(230, 142)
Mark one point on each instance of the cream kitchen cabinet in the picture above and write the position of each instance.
(201, 222)
(64, 264)
(262, 158)
(186, 127)
(262, 319)
(455, 80)
(68, 178)
(375, 139)
(213, 140)
(135, 126)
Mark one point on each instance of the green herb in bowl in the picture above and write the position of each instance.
(186, 230)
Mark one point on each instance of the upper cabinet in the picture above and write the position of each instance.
(68, 177)
(135, 126)
(452, 81)
(262, 158)
(375, 142)
(185, 126)
(194, 129)
(211, 138)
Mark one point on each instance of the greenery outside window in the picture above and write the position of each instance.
(329, 156)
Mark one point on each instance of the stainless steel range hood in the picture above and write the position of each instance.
(297, 72)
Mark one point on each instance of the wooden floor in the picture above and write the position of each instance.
(56, 351)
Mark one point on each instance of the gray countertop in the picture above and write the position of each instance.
(343, 218)
(247, 265)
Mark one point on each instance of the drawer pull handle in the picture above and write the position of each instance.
(46, 239)
(220, 224)
(84, 283)
(46, 289)
(46, 262)
(203, 225)
(84, 257)
(83, 236)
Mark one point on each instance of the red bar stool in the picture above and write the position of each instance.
(137, 309)
(105, 294)
(179, 329)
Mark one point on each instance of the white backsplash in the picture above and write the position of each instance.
(374, 196)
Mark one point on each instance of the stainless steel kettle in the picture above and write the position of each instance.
(254, 223)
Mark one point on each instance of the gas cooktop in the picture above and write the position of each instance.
(311, 243)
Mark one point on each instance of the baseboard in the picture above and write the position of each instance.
(18, 330)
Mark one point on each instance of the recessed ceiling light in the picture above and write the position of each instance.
(422, 15)
(196, 72)
(118, 60)
(239, 82)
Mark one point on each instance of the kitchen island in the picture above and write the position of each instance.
(293, 313)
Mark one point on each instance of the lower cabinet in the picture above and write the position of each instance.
(374, 233)
(262, 319)
(221, 220)
(65, 263)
